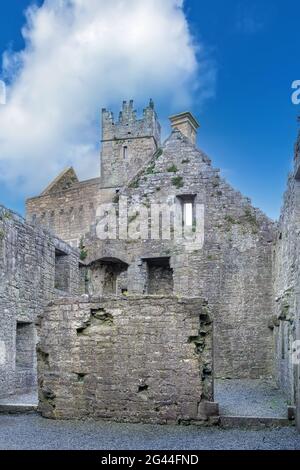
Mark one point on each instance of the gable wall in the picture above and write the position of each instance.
(69, 213)
(233, 270)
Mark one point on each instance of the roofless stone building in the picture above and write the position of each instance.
(166, 279)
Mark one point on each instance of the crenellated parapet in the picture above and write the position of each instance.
(127, 143)
(128, 125)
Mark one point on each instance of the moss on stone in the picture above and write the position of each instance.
(147, 204)
(247, 219)
(83, 251)
(134, 185)
(172, 169)
(5, 215)
(150, 169)
(251, 219)
(231, 220)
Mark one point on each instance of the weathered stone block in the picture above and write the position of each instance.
(134, 371)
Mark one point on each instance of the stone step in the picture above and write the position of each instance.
(254, 422)
(17, 408)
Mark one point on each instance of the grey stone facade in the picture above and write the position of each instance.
(27, 272)
(136, 359)
(233, 270)
(244, 266)
(70, 212)
(286, 320)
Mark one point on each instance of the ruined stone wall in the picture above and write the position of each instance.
(233, 269)
(27, 283)
(139, 359)
(286, 321)
(286, 267)
(71, 212)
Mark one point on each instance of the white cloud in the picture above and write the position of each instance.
(80, 56)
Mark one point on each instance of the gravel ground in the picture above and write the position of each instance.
(36, 433)
(250, 398)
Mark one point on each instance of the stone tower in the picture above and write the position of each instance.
(127, 144)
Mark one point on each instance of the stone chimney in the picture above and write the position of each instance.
(187, 124)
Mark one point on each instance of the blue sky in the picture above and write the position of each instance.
(248, 126)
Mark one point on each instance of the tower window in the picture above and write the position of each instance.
(188, 214)
(125, 152)
(160, 276)
(187, 203)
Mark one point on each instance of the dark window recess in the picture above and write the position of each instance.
(125, 152)
(62, 271)
(160, 276)
(283, 339)
(105, 277)
(25, 346)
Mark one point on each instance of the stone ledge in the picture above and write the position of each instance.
(17, 409)
(86, 299)
(254, 422)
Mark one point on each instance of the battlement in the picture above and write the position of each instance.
(129, 126)
(127, 143)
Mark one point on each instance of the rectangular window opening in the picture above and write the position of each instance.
(160, 276)
(187, 203)
(188, 214)
(62, 271)
(283, 340)
(25, 346)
